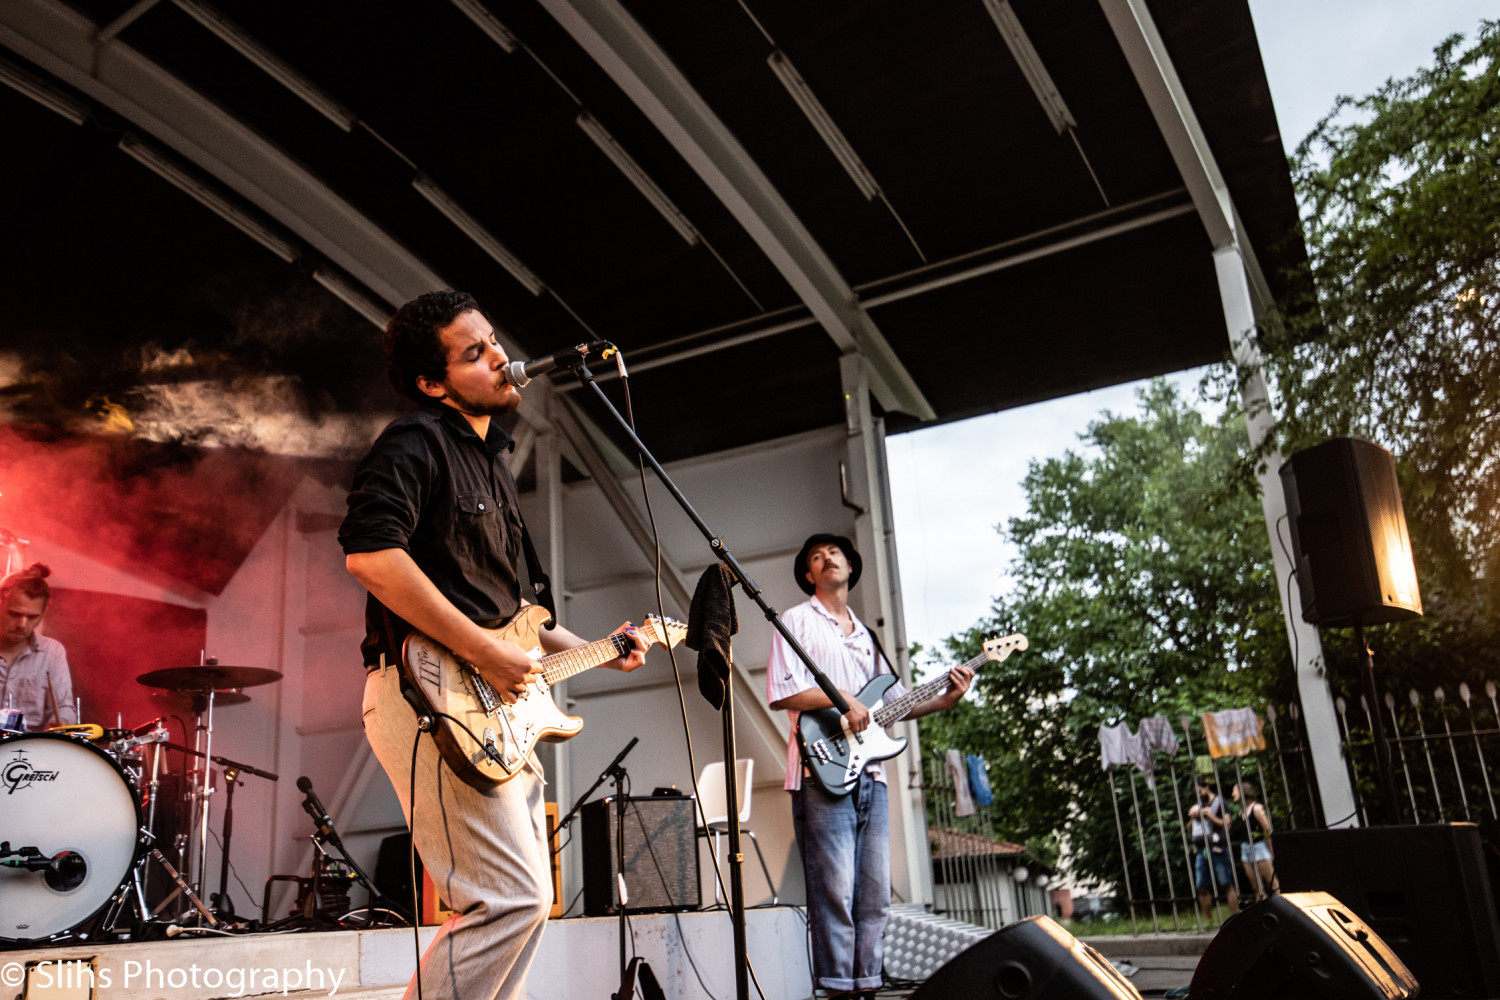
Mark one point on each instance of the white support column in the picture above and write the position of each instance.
(1317, 701)
(878, 601)
(547, 531)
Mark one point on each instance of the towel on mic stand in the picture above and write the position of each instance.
(711, 621)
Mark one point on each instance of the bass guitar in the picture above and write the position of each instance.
(836, 756)
(491, 741)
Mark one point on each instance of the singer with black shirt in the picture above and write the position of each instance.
(434, 534)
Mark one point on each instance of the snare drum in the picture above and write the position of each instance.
(71, 801)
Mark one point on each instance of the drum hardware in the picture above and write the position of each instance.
(182, 889)
(222, 904)
(205, 680)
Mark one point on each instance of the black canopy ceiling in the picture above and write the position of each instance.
(1100, 269)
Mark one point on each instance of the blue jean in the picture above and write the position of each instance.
(846, 860)
(1222, 875)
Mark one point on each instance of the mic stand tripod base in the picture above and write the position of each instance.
(650, 988)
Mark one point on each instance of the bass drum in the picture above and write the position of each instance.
(69, 800)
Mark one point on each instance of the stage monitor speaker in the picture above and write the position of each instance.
(661, 855)
(1349, 539)
(1031, 959)
(1299, 946)
(1424, 889)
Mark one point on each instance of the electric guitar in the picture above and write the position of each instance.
(503, 736)
(836, 756)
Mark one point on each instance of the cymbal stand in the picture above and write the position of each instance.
(203, 739)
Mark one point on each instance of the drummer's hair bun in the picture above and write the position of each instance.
(31, 581)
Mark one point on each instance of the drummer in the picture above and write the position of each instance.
(34, 675)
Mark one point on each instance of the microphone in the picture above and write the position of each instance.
(315, 809)
(519, 373)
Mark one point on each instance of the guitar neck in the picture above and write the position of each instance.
(897, 709)
(571, 662)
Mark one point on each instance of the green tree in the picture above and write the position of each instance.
(1144, 585)
(1401, 203)
(1144, 575)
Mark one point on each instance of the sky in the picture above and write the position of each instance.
(952, 485)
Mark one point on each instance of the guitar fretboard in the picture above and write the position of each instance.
(571, 662)
(894, 712)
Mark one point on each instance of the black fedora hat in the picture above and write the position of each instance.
(799, 568)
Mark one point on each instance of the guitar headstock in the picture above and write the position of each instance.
(667, 631)
(998, 649)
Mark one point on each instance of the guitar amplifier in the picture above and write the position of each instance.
(661, 855)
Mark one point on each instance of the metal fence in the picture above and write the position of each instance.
(1152, 823)
(1444, 771)
(978, 878)
(1440, 750)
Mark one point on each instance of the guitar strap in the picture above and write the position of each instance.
(880, 651)
(541, 584)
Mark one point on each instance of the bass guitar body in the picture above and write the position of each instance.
(835, 755)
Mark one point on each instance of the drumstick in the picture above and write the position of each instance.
(52, 700)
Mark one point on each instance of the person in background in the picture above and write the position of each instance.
(1209, 824)
(34, 675)
(1255, 853)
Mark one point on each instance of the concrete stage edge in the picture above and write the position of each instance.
(578, 960)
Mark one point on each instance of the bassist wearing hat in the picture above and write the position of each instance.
(844, 838)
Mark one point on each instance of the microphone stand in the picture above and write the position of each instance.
(752, 590)
(325, 835)
(603, 777)
(220, 901)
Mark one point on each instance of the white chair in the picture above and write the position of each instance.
(714, 816)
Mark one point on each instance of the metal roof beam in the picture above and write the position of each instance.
(623, 49)
(940, 274)
(1144, 50)
(63, 43)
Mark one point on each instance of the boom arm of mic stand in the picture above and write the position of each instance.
(715, 543)
(603, 776)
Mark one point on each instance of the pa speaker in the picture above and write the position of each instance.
(1349, 539)
(661, 855)
(1032, 959)
(1299, 946)
(1424, 889)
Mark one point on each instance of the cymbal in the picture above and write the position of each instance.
(177, 699)
(208, 677)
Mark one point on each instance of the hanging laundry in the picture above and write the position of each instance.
(979, 781)
(960, 775)
(1119, 745)
(1157, 736)
(1233, 732)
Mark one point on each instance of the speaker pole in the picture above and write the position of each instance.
(1377, 727)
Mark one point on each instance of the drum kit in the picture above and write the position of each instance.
(91, 815)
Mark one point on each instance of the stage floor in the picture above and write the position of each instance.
(578, 960)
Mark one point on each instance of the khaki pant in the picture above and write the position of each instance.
(485, 850)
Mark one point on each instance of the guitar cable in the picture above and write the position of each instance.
(424, 724)
(676, 674)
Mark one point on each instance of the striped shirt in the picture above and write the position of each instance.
(848, 660)
(24, 682)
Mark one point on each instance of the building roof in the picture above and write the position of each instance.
(1019, 224)
(948, 843)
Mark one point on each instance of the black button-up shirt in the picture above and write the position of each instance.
(432, 487)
